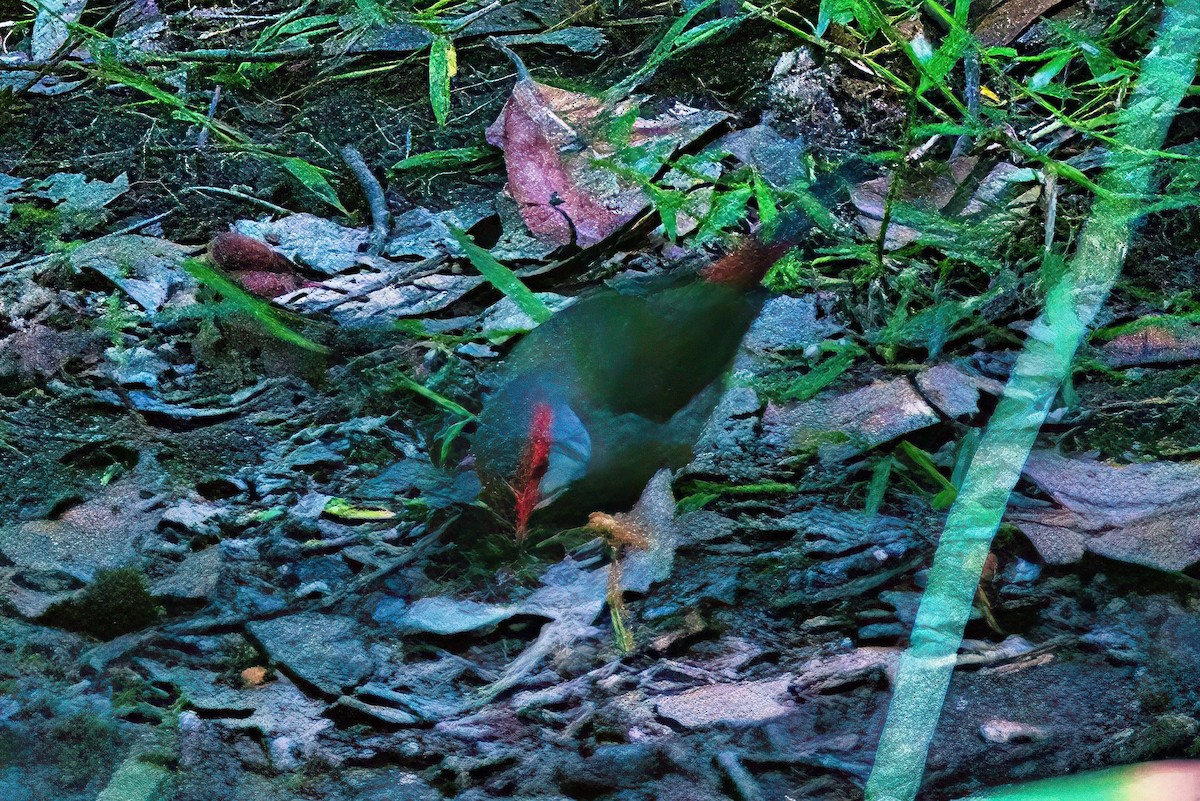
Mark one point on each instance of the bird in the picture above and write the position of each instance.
(594, 401)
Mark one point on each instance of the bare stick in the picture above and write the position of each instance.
(373, 192)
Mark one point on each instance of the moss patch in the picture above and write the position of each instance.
(116, 603)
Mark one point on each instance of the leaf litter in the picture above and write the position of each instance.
(310, 519)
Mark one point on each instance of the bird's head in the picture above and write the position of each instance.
(530, 447)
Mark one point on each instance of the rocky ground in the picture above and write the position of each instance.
(243, 553)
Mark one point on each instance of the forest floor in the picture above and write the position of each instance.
(243, 549)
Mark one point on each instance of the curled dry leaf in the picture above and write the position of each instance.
(1153, 343)
(552, 139)
(1145, 514)
(261, 269)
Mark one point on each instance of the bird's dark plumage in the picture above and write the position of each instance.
(626, 378)
(630, 378)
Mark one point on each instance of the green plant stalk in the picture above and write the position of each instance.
(441, 400)
(261, 311)
(502, 278)
(926, 667)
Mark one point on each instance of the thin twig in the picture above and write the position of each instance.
(202, 139)
(266, 204)
(380, 218)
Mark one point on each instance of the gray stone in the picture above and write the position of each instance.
(323, 651)
(194, 579)
(149, 270)
(193, 517)
(389, 611)
(100, 533)
(382, 714)
(742, 704)
(452, 616)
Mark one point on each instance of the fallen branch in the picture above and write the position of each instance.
(373, 192)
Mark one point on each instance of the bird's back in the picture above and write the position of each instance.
(638, 370)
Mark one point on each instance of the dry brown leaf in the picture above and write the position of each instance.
(1146, 514)
(1153, 344)
(551, 140)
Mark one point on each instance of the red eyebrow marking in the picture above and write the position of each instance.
(535, 460)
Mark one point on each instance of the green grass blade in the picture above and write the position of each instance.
(259, 309)
(447, 159)
(438, 398)
(676, 40)
(502, 278)
(926, 667)
(313, 179)
(881, 475)
(441, 57)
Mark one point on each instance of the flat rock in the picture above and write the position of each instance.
(100, 533)
(742, 704)
(323, 651)
(1145, 514)
(194, 579)
(147, 269)
(443, 616)
(841, 426)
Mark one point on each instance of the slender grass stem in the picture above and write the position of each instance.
(927, 666)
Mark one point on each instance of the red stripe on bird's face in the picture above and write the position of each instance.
(535, 460)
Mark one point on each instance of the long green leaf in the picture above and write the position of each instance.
(447, 159)
(436, 397)
(502, 278)
(259, 309)
(441, 63)
(313, 179)
(926, 667)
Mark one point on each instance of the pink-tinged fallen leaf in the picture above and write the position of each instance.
(1153, 344)
(257, 266)
(236, 252)
(551, 140)
(1145, 514)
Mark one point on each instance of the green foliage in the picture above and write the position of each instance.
(924, 463)
(313, 179)
(862, 16)
(677, 39)
(822, 371)
(455, 158)
(116, 603)
(502, 278)
(443, 63)
(33, 226)
(291, 30)
(261, 311)
(117, 318)
(693, 184)
(83, 746)
(881, 474)
(347, 510)
(460, 416)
